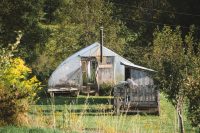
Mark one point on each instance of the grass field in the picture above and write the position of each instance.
(95, 114)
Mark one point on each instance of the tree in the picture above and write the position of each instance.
(76, 24)
(174, 57)
(192, 82)
(24, 16)
(141, 17)
(18, 16)
(89, 16)
(193, 93)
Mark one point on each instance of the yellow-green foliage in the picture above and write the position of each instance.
(16, 76)
(17, 90)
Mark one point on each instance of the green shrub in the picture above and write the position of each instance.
(17, 91)
(106, 89)
(17, 87)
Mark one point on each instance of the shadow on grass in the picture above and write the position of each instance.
(13, 129)
(62, 100)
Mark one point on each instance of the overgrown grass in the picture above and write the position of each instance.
(95, 114)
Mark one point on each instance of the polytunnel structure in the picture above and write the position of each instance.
(85, 70)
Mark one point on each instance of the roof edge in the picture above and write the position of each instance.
(137, 66)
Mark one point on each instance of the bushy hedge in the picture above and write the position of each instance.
(106, 89)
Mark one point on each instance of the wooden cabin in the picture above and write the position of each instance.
(92, 66)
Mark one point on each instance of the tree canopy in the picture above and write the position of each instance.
(178, 68)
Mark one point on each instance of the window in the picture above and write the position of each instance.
(109, 60)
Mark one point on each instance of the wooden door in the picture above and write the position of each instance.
(89, 67)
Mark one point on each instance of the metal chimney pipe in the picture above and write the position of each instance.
(101, 44)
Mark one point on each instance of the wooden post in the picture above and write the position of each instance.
(180, 115)
(101, 44)
(158, 101)
(53, 109)
(118, 106)
(97, 80)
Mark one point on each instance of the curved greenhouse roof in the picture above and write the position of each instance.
(68, 73)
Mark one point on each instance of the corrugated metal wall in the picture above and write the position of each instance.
(141, 77)
(119, 70)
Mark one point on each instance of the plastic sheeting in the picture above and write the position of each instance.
(69, 72)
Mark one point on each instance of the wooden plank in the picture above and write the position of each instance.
(105, 66)
(62, 89)
(105, 75)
